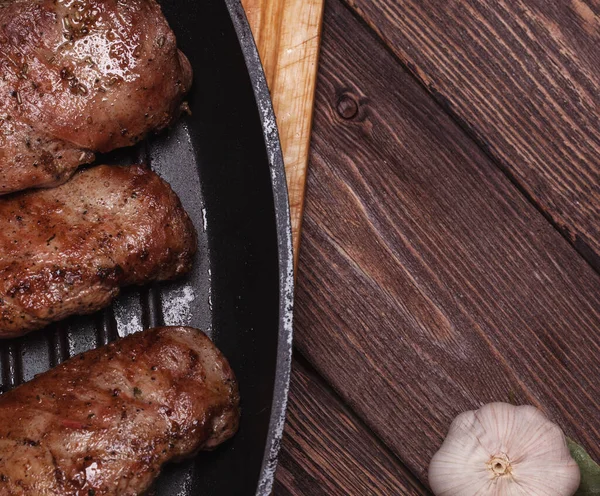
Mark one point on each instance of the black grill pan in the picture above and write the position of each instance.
(224, 161)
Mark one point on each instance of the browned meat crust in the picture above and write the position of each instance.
(106, 421)
(67, 250)
(80, 76)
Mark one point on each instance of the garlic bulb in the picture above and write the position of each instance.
(504, 450)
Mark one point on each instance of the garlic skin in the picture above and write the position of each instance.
(504, 450)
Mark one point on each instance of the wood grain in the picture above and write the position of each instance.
(428, 285)
(287, 34)
(326, 450)
(522, 77)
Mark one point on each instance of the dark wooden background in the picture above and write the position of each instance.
(451, 247)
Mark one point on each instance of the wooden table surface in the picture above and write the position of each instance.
(450, 249)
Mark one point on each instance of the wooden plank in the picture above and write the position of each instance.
(427, 284)
(522, 77)
(287, 34)
(327, 450)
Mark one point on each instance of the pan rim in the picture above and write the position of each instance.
(284, 242)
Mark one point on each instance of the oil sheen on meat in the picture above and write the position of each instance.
(106, 421)
(69, 249)
(79, 76)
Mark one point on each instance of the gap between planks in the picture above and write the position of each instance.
(519, 78)
(327, 449)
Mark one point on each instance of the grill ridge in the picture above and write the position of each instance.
(58, 346)
(12, 366)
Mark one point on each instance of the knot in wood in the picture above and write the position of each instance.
(347, 107)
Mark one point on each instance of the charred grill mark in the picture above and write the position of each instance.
(21, 287)
(110, 274)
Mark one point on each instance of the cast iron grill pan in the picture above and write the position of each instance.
(228, 175)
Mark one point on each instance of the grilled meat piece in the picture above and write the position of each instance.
(106, 421)
(80, 76)
(67, 250)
